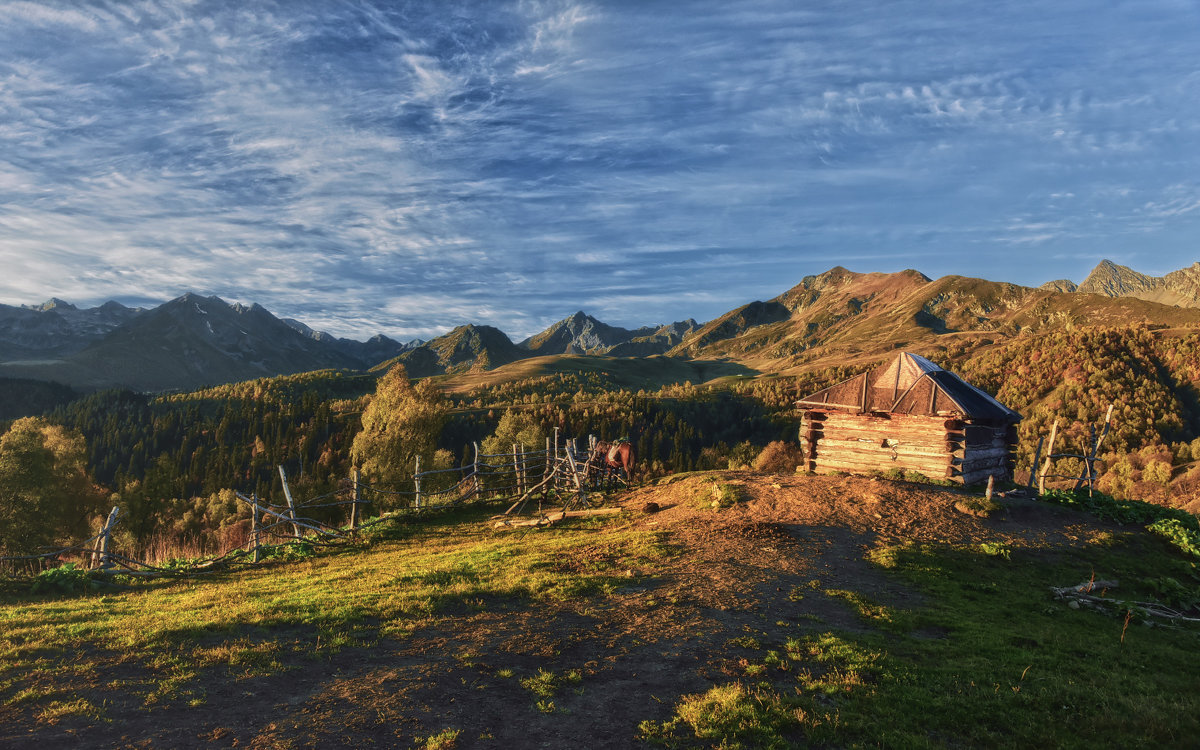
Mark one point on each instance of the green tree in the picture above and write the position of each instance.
(515, 426)
(402, 421)
(45, 493)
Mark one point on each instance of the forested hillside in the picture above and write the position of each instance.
(173, 461)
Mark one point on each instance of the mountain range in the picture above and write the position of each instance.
(837, 316)
(1179, 288)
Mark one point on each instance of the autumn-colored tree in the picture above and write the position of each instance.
(518, 427)
(45, 493)
(402, 421)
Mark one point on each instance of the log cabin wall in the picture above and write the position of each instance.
(961, 451)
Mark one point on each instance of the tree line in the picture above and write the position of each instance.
(173, 461)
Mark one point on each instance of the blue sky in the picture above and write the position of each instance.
(406, 167)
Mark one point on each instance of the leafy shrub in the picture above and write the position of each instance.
(1188, 541)
(299, 550)
(778, 457)
(65, 579)
(996, 549)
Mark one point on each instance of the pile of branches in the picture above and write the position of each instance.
(1092, 594)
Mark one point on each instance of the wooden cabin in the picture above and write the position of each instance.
(912, 415)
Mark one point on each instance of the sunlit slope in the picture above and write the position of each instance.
(845, 317)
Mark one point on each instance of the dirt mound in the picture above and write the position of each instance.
(881, 510)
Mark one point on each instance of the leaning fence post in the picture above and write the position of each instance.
(354, 503)
(94, 555)
(1096, 450)
(417, 482)
(1033, 467)
(287, 493)
(105, 560)
(1049, 458)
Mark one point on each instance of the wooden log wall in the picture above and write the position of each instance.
(937, 447)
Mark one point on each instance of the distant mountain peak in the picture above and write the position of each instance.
(54, 303)
(580, 333)
(1179, 288)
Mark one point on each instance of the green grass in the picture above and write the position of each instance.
(264, 621)
(990, 661)
(980, 655)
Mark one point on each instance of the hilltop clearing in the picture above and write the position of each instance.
(749, 611)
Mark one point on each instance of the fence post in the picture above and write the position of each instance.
(576, 480)
(417, 482)
(475, 472)
(546, 468)
(254, 528)
(1096, 450)
(287, 493)
(105, 560)
(1049, 459)
(354, 503)
(524, 470)
(516, 471)
(1033, 467)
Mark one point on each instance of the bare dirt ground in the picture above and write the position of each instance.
(669, 633)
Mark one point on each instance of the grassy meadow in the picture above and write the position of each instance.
(621, 631)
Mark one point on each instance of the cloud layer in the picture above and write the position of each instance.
(403, 168)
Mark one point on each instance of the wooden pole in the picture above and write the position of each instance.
(546, 469)
(1033, 467)
(417, 482)
(354, 499)
(524, 469)
(991, 487)
(94, 556)
(516, 469)
(1049, 459)
(287, 493)
(105, 560)
(254, 529)
(575, 479)
(1086, 472)
(475, 471)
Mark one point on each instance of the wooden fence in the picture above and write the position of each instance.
(1042, 468)
(561, 474)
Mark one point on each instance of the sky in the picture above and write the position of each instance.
(406, 167)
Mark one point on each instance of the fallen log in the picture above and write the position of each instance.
(554, 517)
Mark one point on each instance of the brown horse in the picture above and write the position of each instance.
(609, 460)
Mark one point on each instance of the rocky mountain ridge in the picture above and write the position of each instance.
(1179, 288)
(838, 316)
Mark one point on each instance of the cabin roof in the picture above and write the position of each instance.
(910, 384)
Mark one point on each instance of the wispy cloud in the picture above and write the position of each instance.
(368, 167)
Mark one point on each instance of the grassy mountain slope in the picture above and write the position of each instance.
(633, 373)
(468, 348)
(752, 611)
(845, 317)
